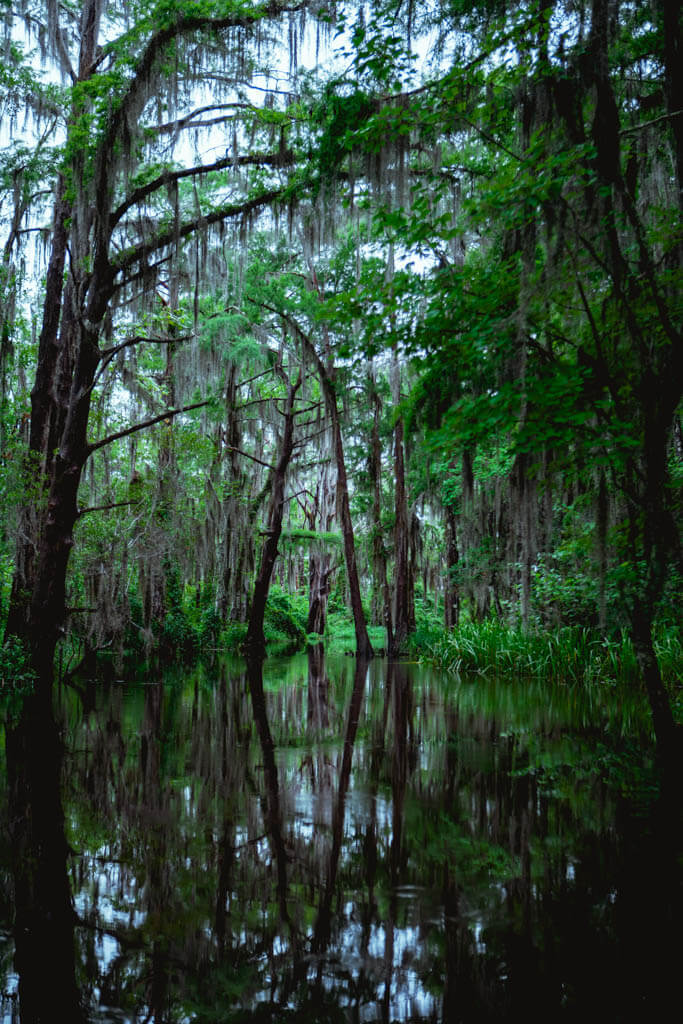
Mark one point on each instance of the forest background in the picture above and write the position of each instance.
(400, 330)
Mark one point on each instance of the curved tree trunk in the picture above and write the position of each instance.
(320, 517)
(256, 641)
(363, 645)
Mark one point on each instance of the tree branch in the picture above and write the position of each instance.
(326, 379)
(104, 508)
(309, 437)
(137, 253)
(142, 272)
(186, 121)
(231, 448)
(180, 25)
(648, 124)
(254, 401)
(304, 490)
(140, 339)
(257, 376)
(279, 159)
(167, 414)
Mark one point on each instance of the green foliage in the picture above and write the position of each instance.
(285, 618)
(231, 332)
(342, 117)
(132, 639)
(210, 625)
(428, 631)
(233, 636)
(340, 635)
(178, 638)
(530, 343)
(294, 536)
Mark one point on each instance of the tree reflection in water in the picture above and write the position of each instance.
(301, 841)
(44, 918)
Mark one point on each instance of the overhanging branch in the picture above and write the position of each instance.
(104, 508)
(139, 252)
(141, 339)
(166, 415)
(231, 448)
(280, 159)
(109, 353)
(188, 121)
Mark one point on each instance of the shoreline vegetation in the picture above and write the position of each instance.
(571, 655)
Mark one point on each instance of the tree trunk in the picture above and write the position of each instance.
(256, 641)
(451, 595)
(68, 356)
(378, 549)
(363, 645)
(320, 517)
(37, 608)
(319, 572)
(401, 529)
(666, 731)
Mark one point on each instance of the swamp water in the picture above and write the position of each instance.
(329, 841)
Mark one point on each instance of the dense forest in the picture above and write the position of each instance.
(314, 309)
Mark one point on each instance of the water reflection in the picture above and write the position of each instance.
(44, 919)
(271, 805)
(323, 924)
(302, 840)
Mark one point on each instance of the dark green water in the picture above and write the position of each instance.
(333, 842)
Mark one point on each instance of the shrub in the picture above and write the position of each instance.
(210, 625)
(232, 637)
(285, 618)
(178, 639)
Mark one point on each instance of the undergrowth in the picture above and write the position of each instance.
(340, 635)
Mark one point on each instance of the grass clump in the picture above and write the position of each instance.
(571, 655)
